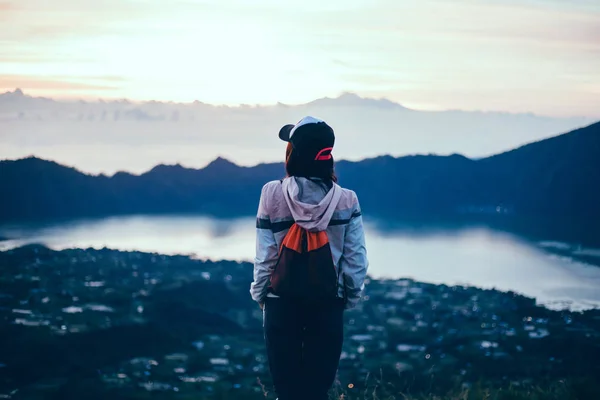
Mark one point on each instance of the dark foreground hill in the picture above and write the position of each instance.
(557, 178)
(103, 324)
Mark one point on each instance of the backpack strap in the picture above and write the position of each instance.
(345, 290)
(284, 201)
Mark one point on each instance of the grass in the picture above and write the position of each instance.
(376, 388)
(560, 390)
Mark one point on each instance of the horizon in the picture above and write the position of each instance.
(105, 137)
(484, 55)
(229, 160)
(340, 96)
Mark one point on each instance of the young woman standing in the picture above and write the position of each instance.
(310, 263)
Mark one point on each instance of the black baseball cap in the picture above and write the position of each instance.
(311, 137)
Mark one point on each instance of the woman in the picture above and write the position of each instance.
(310, 263)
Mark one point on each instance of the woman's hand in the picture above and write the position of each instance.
(261, 305)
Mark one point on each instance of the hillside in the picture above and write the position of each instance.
(104, 324)
(553, 178)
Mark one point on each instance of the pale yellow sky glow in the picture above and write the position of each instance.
(503, 55)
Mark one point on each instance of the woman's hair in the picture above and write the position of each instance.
(295, 165)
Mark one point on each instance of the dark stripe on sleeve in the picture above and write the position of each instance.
(262, 223)
(335, 222)
(281, 226)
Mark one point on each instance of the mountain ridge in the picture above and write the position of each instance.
(218, 162)
(224, 161)
(553, 179)
(342, 99)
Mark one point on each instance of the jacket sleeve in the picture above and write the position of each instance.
(266, 252)
(354, 259)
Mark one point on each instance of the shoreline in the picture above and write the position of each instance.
(558, 304)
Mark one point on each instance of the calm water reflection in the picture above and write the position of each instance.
(477, 256)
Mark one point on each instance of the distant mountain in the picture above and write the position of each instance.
(556, 178)
(353, 100)
(81, 133)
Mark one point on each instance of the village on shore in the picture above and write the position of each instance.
(141, 323)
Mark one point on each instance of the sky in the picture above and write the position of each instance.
(540, 56)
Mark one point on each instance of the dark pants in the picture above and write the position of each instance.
(304, 343)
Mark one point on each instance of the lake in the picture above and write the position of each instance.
(468, 255)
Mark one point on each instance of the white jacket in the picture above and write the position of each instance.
(314, 206)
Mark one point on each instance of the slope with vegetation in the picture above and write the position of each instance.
(100, 324)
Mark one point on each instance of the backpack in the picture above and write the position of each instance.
(305, 267)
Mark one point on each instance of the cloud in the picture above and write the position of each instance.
(39, 21)
(22, 57)
(6, 10)
(264, 51)
(55, 83)
(542, 26)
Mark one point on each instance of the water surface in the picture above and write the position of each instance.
(476, 256)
